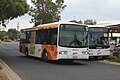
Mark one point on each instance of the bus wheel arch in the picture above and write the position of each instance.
(45, 55)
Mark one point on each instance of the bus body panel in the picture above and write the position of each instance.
(72, 53)
(56, 54)
(32, 42)
(51, 50)
(39, 48)
(99, 52)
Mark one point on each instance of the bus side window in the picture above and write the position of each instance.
(28, 35)
(54, 39)
(53, 36)
(40, 37)
(48, 36)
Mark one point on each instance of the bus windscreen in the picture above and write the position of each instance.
(73, 36)
(98, 37)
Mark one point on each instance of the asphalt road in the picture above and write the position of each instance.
(30, 68)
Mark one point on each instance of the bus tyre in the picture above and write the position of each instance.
(26, 52)
(45, 56)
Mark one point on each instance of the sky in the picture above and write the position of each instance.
(100, 10)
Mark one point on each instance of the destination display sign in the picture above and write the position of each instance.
(97, 29)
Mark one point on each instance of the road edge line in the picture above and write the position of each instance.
(8, 71)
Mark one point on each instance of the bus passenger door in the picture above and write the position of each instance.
(32, 43)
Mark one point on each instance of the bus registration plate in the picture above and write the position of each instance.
(74, 57)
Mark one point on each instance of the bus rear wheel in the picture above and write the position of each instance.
(26, 52)
(45, 56)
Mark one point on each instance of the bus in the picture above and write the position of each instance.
(98, 41)
(55, 41)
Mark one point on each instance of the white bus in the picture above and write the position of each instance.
(98, 41)
(55, 41)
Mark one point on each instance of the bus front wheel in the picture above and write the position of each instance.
(45, 56)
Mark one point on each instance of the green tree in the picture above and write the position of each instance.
(10, 9)
(13, 34)
(90, 22)
(80, 21)
(75, 21)
(46, 11)
(2, 34)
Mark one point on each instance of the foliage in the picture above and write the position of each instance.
(87, 21)
(75, 21)
(90, 22)
(115, 58)
(80, 21)
(13, 34)
(2, 34)
(10, 9)
(46, 11)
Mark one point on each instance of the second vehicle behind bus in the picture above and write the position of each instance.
(98, 41)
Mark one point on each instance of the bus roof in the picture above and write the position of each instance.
(49, 25)
(58, 23)
(104, 25)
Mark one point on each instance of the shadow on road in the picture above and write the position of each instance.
(61, 62)
(30, 57)
(67, 63)
(93, 59)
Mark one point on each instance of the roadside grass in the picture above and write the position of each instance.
(114, 58)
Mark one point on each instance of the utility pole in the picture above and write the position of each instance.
(18, 26)
(17, 30)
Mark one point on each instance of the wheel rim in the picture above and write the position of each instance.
(45, 56)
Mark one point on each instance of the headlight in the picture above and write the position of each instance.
(90, 50)
(85, 52)
(63, 52)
